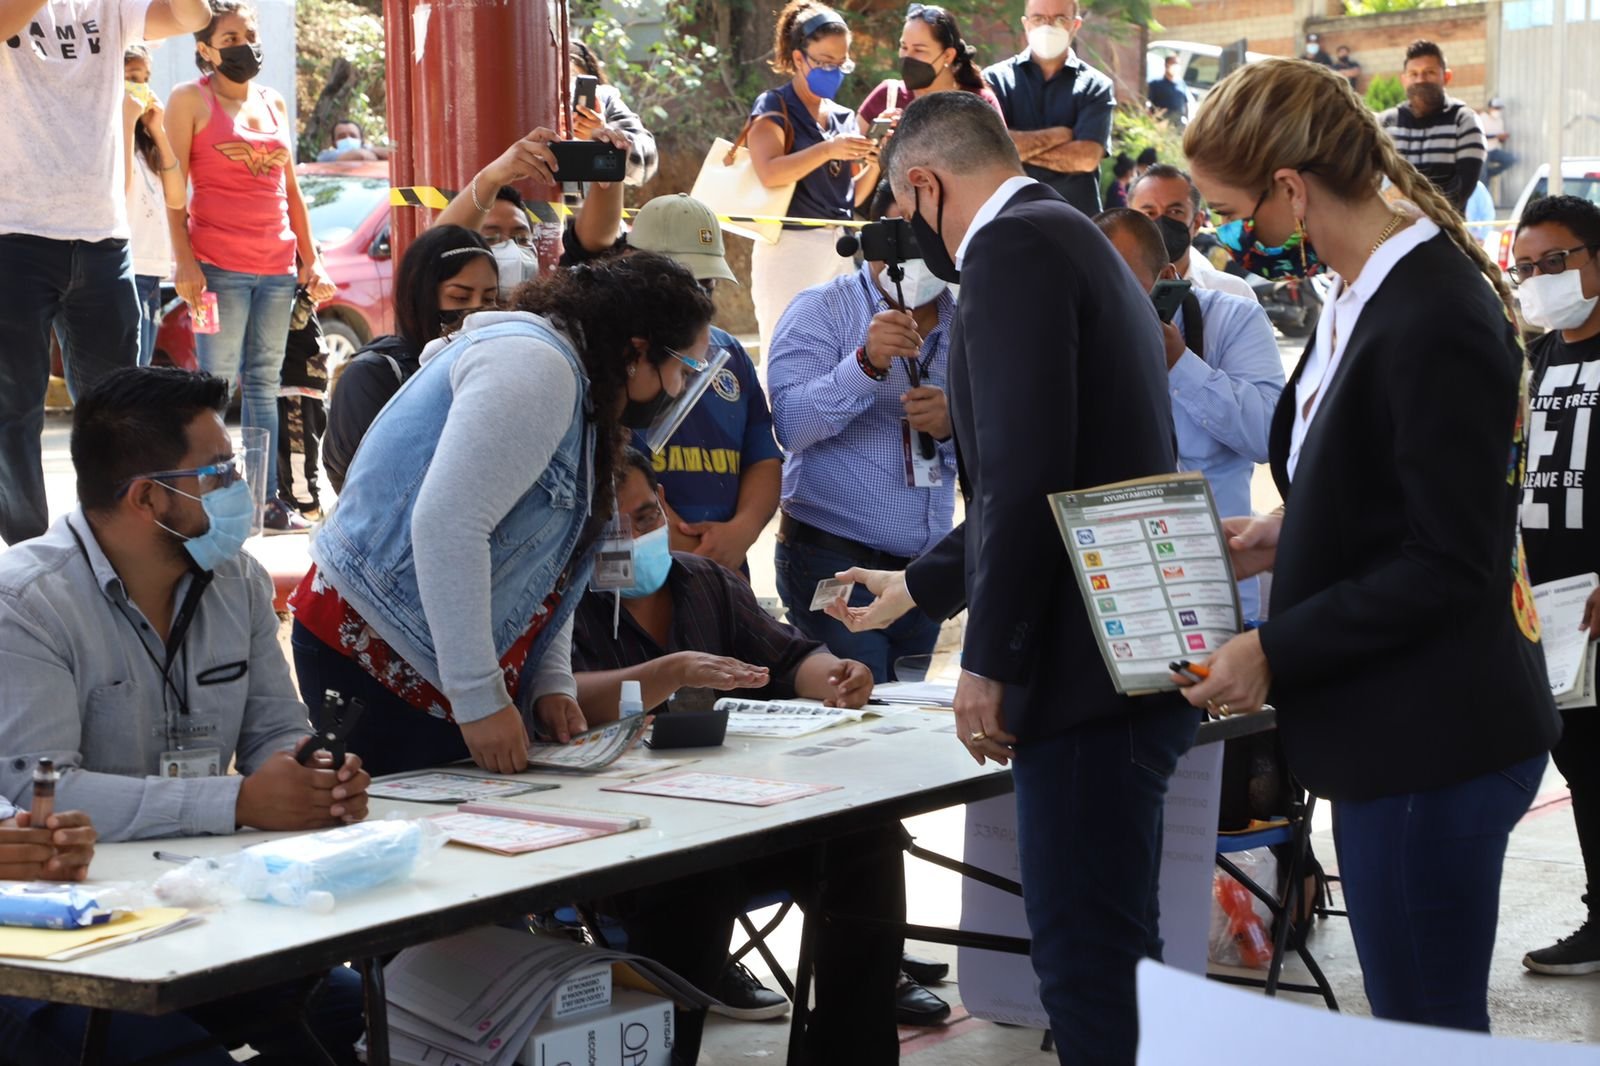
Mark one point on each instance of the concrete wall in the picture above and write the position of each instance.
(1378, 43)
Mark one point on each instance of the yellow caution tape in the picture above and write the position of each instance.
(438, 199)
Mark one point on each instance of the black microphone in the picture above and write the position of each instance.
(847, 245)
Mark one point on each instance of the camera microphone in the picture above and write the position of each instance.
(848, 245)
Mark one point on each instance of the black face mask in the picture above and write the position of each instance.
(450, 321)
(638, 414)
(1175, 235)
(930, 241)
(917, 74)
(240, 62)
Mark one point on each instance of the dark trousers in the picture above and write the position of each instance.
(800, 567)
(1578, 758)
(1421, 879)
(34, 1033)
(302, 422)
(88, 287)
(392, 736)
(686, 925)
(1090, 805)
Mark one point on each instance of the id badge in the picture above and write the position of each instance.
(920, 473)
(195, 762)
(613, 558)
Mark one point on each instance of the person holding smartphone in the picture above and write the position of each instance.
(933, 59)
(598, 106)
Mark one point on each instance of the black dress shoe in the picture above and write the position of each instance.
(915, 1005)
(924, 971)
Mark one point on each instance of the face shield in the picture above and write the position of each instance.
(698, 374)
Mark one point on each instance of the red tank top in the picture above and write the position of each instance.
(239, 212)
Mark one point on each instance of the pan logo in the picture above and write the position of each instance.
(1085, 536)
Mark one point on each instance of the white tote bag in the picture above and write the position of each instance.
(729, 186)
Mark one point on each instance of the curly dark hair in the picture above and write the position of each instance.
(603, 305)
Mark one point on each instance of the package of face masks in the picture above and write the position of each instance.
(37, 905)
(316, 869)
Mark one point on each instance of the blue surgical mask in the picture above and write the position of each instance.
(825, 83)
(231, 513)
(652, 561)
(345, 144)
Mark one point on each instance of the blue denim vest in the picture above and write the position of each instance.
(364, 547)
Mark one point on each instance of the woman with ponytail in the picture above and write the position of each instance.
(933, 59)
(1401, 646)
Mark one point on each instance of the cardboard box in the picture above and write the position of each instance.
(636, 1030)
(582, 992)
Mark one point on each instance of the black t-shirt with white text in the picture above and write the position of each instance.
(1560, 526)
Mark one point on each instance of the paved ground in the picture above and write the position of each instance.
(1543, 883)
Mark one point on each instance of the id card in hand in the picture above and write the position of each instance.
(830, 590)
(613, 557)
(920, 473)
(196, 762)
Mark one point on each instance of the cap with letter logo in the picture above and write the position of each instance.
(685, 229)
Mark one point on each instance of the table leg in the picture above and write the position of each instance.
(94, 1038)
(377, 1005)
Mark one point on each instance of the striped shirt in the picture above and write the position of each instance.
(845, 472)
(1447, 146)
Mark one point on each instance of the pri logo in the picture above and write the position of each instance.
(1196, 641)
(1166, 548)
(1115, 628)
(1157, 527)
(1092, 559)
(1085, 536)
(1173, 572)
(1100, 583)
(1188, 618)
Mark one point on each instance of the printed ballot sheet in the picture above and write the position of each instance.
(594, 750)
(723, 788)
(1569, 656)
(431, 787)
(784, 719)
(1154, 573)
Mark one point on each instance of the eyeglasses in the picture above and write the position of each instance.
(847, 67)
(216, 476)
(521, 240)
(648, 518)
(1549, 263)
(699, 366)
(1034, 22)
(929, 13)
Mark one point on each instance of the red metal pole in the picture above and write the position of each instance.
(404, 223)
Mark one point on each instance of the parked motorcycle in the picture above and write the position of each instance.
(1292, 304)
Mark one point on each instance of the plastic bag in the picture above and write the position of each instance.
(42, 905)
(1241, 924)
(313, 870)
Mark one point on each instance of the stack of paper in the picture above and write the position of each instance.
(784, 718)
(917, 693)
(61, 945)
(1568, 652)
(512, 828)
(474, 999)
(594, 750)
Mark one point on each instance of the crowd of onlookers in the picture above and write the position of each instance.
(517, 417)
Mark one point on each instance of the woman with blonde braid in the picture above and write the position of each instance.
(1401, 646)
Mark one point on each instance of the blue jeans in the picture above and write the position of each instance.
(148, 289)
(1421, 879)
(34, 1033)
(1090, 804)
(253, 312)
(800, 567)
(88, 285)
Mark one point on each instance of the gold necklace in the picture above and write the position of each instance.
(1388, 231)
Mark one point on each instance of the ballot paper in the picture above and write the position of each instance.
(722, 788)
(594, 750)
(1568, 652)
(513, 828)
(785, 718)
(917, 693)
(629, 767)
(1154, 573)
(431, 787)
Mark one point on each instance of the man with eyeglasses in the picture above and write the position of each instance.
(1557, 273)
(134, 635)
(1057, 107)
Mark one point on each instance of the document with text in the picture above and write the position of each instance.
(1569, 656)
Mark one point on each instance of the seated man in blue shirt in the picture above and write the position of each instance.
(848, 414)
(1223, 371)
(135, 640)
(1057, 107)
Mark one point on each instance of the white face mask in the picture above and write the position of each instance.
(1556, 301)
(1049, 42)
(919, 285)
(516, 264)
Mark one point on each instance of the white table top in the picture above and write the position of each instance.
(249, 944)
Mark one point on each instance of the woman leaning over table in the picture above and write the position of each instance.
(1402, 646)
(832, 165)
(444, 582)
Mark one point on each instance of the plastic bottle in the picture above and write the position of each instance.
(632, 701)
(1244, 925)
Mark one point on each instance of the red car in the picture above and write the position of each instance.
(349, 207)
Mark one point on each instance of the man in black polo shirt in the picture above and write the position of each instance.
(1057, 107)
(1437, 134)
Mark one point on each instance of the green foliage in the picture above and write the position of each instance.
(1133, 129)
(327, 31)
(1385, 92)
(1384, 7)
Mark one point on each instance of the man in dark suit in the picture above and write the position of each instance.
(1057, 381)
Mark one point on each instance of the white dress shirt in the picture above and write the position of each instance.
(1202, 275)
(991, 207)
(1338, 322)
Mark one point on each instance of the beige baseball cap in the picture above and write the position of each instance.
(685, 229)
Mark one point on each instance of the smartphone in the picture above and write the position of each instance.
(1168, 296)
(589, 161)
(881, 128)
(586, 93)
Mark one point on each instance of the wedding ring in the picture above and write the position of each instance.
(976, 736)
(1224, 710)
(1211, 705)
